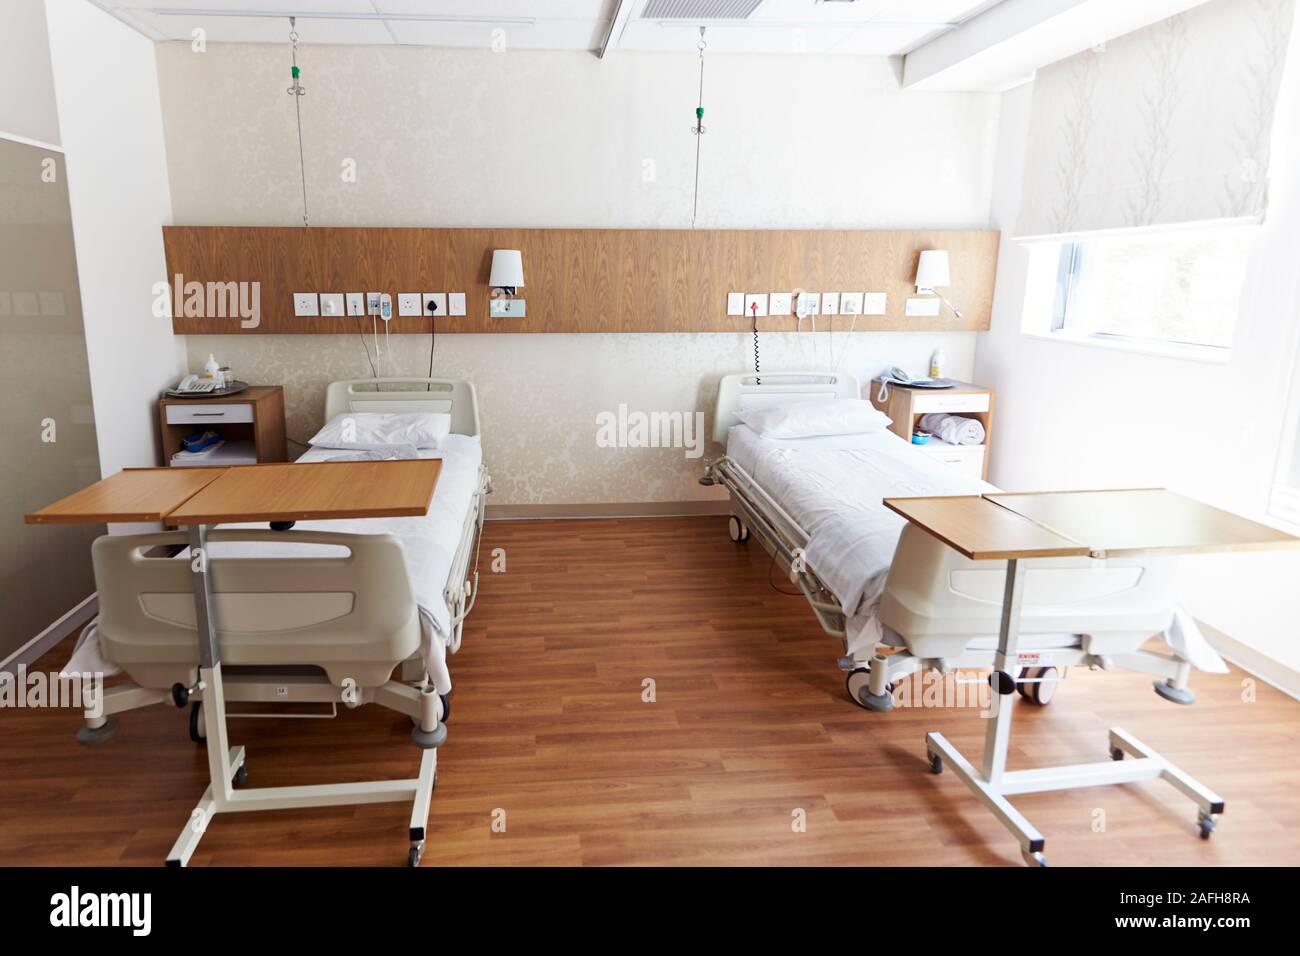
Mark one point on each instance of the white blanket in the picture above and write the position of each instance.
(835, 488)
(429, 542)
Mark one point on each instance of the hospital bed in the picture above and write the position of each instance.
(900, 600)
(325, 612)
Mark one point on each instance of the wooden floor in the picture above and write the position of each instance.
(749, 725)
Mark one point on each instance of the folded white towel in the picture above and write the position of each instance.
(954, 429)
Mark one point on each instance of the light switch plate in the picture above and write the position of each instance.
(408, 303)
(756, 305)
(830, 303)
(850, 303)
(305, 304)
(807, 303)
(52, 303)
(506, 309)
(439, 300)
(735, 303)
(26, 303)
(778, 303)
(456, 303)
(875, 303)
(356, 303)
(923, 307)
(331, 303)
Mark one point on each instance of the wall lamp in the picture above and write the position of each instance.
(506, 277)
(932, 274)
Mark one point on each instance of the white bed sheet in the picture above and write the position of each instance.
(429, 542)
(834, 488)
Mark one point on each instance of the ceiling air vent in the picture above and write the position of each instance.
(697, 10)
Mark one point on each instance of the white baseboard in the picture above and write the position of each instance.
(32, 651)
(642, 509)
(1253, 662)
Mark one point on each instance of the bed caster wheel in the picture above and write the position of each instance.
(737, 530)
(1176, 695)
(414, 854)
(1039, 686)
(89, 736)
(446, 706)
(936, 764)
(1206, 821)
(858, 684)
(198, 732)
(1116, 753)
(241, 775)
(1034, 859)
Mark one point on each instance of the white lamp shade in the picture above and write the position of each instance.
(932, 270)
(507, 269)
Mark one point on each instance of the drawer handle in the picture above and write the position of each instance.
(208, 414)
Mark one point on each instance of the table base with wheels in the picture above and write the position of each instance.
(993, 783)
(227, 766)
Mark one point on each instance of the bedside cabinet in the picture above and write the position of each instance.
(251, 422)
(905, 406)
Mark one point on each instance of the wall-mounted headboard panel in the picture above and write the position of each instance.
(577, 280)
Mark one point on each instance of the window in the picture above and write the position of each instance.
(1173, 290)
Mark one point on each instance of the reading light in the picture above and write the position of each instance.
(932, 274)
(507, 271)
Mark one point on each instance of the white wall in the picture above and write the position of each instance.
(111, 129)
(1078, 416)
(472, 138)
(27, 108)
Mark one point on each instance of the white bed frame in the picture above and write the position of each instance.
(365, 592)
(938, 601)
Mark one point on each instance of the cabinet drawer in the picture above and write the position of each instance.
(969, 459)
(938, 402)
(200, 414)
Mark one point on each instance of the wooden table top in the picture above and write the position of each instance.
(315, 490)
(1096, 524)
(135, 494)
(270, 492)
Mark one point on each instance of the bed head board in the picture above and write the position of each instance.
(453, 395)
(750, 390)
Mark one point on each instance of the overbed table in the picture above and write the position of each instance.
(200, 498)
(1097, 524)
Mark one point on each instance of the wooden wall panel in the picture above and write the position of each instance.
(580, 280)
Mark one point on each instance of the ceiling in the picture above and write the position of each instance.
(861, 27)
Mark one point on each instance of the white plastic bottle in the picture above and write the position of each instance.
(936, 364)
(211, 368)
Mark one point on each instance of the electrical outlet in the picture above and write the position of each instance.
(456, 303)
(830, 303)
(756, 305)
(374, 300)
(356, 303)
(778, 303)
(439, 300)
(807, 303)
(875, 303)
(850, 303)
(331, 303)
(735, 303)
(305, 304)
(408, 303)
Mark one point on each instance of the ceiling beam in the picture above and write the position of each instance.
(617, 22)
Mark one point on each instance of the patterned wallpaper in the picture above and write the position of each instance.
(476, 138)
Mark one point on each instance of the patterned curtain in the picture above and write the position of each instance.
(1169, 124)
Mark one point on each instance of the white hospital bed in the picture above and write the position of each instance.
(902, 601)
(322, 613)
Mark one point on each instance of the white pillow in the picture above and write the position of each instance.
(838, 416)
(380, 430)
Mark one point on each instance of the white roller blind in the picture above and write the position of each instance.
(1169, 124)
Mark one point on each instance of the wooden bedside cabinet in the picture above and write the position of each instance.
(905, 407)
(251, 422)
